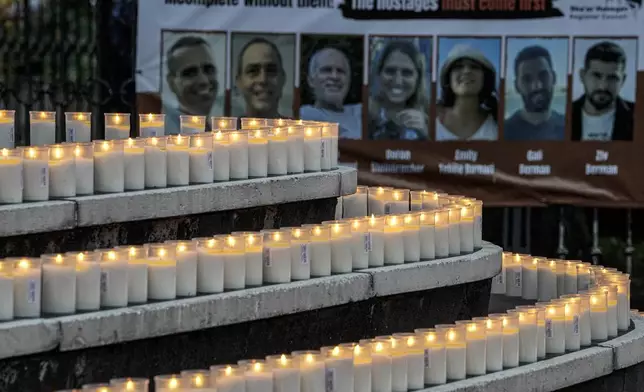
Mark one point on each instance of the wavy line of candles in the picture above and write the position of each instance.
(427, 356)
(61, 284)
(260, 149)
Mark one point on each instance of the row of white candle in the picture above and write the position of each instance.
(411, 361)
(87, 281)
(71, 169)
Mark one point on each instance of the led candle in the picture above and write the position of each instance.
(190, 125)
(339, 368)
(210, 265)
(585, 338)
(156, 162)
(221, 157)
(414, 350)
(253, 123)
(355, 205)
(466, 231)
(434, 360)
(476, 343)
(312, 370)
(511, 339)
(454, 229)
(78, 127)
(224, 123)
(611, 313)
(494, 338)
(130, 384)
(239, 149)
(117, 126)
(546, 280)
(583, 276)
(530, 276)
(253, 244)
(399, 202)
(134, 164)
(259, 377)
(320, 249)
(109, 166)
(514, 276)
(42, 128)
(137, 273)
(101, 387)
(361, 243)
(58, 285)
(258, 153)
(231, 379)
(498, 282)
(300, 252)
(35, 174)
(196, 381)
(541, 329)
(178, 160)
(527, 334)
(201, 159)
(555, 328)
(162, 272)
(167, 383)
(276, 257)
(62, 171)
(598, 315)
(11, 176)
(340, 239)
(377, 198)
(26, 287)
(441, 233)
(186, 256)
(114, 278)
(286, 373)
(6, 290)
(312, 149)
(572, 323)
(411, 237)
(455, 350)
(234, 262)
(278, 148)
(151, 125)
(570, 277)
(88, 280)
(7, 129)
(83, 157)
(394, 240)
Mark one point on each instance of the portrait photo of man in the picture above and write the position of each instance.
(194, 70)
(263, 73)
(331, 82)
(604, 90)
(536, 89)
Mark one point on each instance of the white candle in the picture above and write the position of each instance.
(278, 152)
(341, 257)
(286, 374)
(355, 205)
(190, 125)
(196, 381)
(572, 335)
(494, 339)
(434, 356)
(109, 168)
(320, 249)
(361, 368)
(10, 176)
(253, 243)
(416, 200)
(455, 350)
(295, 149)
(611, 314)
(476, 345)
(257, 154)
(201, 159)
(441, 233)
(312, 370)
(530, 274)
(623, 301)
(58, 285)
(547, 280)
(514, 276)
(7, 129)
(88, 281)
(511, 339)
(239, 155)
(78, 127)
(134, 165)
(498, 282)
(583, 276)
(186, 256)
(413, 350)
(376, 241)
(168, 383)
(570, 279)
(221, 158)
(6, 291)
(466, 228)
(312, 148)
(234, 262)
(398, 364)
(411, 237)
(399, 202)
(114, 278)
(338, 209)
(380, 366)
(117, 126)
(84, 168)
(156, 163)
(598, 316)
(210, 267)
(541, 329)
(330, 132)
(276, 257)
(454, 229)
(394, 240)
(561, 277)
(555, 328)
(231, 379)
(253, 123)
(259, 378)
(178, 160)
(26, 287)
(339, 368)
(361, 243)
(162, 272)
(62, 171)
(300, 253)
(137, 274)
(42, 127)
(151, 125)
(35, 174)
(527, 335)
(585, 338)
(224, 123)
(427, 235)
(377, 200)
(325, 151)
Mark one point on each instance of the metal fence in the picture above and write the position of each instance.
(79, 55)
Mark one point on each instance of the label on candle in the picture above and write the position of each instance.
(71, 134)
(329, 380)
(31, 291)
(266, 256)
(499, 278)
(304, 253)
(518, 277)
(43, 176)
(387, 209)
(103, 281)
(549, 333)
(367, 242)
(427, 358)
(478, 223)
(11, 135)
(323, 148)
(575, 325)
(210, 160)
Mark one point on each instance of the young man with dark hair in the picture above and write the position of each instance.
(601, 114)
(535, 81)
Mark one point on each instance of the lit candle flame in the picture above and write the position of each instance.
(133, 251)
(471, 327)
(355, 223)
(407, 219)
(309, 358)
(5, 152)
(154, 141)
(258, 133)
(336, 228)
(336, 351)
(397, 196)
(198, 380)
(31, 153)
(162, 252)
(181, 248)
(105, 146)
(130, 142)
(431, 337)
(59, 259)
(257, 367)
(505, 322)
(80, 256)
(117, 119)
(77, 151)
(297, 233)
(552, 310)
(309, 131)
(150, 117)
(195, 119)
(24, 264)
(58, 152)
(379, 347)
(251, 239)
(198, 142)
(317, 231)
(219, 135)
(80, 117)
(211, 243)
(173, 383)
(231, 240)
(235, 136)
(129, 385)
(276, 236)
(111, 255)
(357, 349)
(489, 324)
(229, 370)
(283, 360)
(393, 221)
(43, 114)
(411, 341)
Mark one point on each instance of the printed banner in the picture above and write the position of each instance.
(515, 102)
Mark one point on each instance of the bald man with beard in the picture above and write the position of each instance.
(329, 78)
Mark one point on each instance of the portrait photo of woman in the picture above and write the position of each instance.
(399, 88)
(467, 107)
